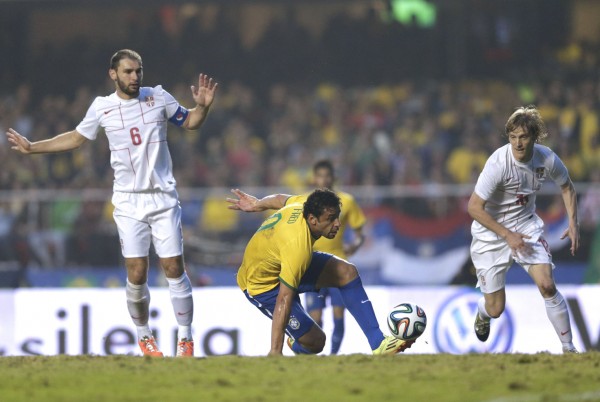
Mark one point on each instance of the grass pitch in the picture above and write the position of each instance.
(431, 378)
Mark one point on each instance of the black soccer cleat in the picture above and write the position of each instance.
(482, 328)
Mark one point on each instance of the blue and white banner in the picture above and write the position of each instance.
(95, 321)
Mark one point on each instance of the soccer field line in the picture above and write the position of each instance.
(583, 396)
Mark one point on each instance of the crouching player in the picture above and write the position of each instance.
(279, 263)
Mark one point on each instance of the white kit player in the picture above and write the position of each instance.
(506, 227)
(147, 208)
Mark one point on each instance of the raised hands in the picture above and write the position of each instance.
(204, 93)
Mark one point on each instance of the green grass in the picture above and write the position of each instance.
(430, 378)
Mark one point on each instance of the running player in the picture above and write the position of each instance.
(352, 216)
(279, 263)
(506, 227)
(146, 203)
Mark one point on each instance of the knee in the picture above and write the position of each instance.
(137, 272)
(173, 267)
(348, 273)
(547, 289)
(315, 343)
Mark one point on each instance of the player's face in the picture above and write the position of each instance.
(521, 143)
(323, 178)
(326, 225)
(128, 78)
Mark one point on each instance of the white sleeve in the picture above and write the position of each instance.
(488, 180)
(176, 113)
(90, 123)
(558, 171)
(171, 104)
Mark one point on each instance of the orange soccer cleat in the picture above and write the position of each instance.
(149, 347)
(185, 348)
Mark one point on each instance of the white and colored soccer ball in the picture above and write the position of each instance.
(407, 321)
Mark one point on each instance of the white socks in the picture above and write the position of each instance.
(183, 304)
(557, 311)
(482, 311)
(138, 304)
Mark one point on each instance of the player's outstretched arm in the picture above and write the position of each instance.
(204, 95)
(570, 199)
(249, 203)
(60, 143)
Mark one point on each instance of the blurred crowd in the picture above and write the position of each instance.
(405, 133)
(375, 116)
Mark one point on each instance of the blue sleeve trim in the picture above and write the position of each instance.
(179, 116)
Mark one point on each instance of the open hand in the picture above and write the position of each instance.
(204, 93)
(244, 202)
(572, 232)
(18, 142)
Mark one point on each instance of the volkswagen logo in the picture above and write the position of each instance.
(453, 327)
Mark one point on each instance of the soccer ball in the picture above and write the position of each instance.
(407, 321)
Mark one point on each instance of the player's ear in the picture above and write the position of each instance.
(112, 74)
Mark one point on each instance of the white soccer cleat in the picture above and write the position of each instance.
(569, 349)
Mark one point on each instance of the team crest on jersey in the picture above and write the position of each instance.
(149, 101)
(294, 323)
(540, 172)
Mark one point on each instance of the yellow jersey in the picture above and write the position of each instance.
(351, 216)
(280, 250)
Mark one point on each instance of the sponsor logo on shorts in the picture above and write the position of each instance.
(453, 327)
(294, 323)
(482, 279)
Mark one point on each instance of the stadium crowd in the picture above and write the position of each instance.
(268, 126)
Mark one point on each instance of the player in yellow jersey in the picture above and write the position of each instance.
(351, 216)
(279, 263)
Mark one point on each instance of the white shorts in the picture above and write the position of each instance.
(147, 217)
(493, 259)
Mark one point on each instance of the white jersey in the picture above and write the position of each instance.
(137, 137)
(509, 188)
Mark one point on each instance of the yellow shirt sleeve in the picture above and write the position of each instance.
(355, 216)
(295, 260)
(296, 199)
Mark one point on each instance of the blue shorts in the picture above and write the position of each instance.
(316, 301)
(300, 322)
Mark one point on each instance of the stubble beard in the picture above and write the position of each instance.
(125, 89)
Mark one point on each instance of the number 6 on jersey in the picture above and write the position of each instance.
(136, 138)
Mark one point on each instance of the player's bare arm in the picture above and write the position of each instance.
(570, 199)
(359, 239)
(204, 95)
(249, 203)
(476, 209)
(281, 316)
(60, 143)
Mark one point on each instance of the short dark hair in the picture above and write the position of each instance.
(124, 54)
(324, 164)
(529, 119)
(320, 200)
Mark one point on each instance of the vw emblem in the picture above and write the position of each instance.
(453, 327)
